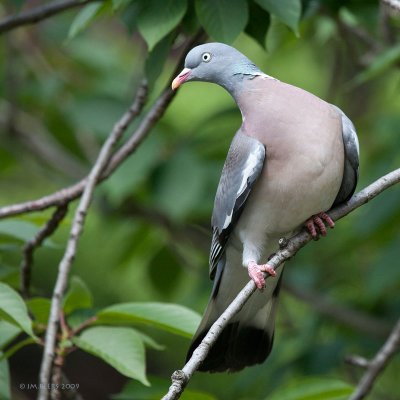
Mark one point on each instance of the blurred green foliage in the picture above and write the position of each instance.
(65, 81)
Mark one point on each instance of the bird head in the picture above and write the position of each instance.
(217, 63)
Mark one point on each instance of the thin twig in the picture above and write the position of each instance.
(49, 228)
(73, 192)
(75, 233)
(180, 378)
(358, 361)
(376, 366)
(39, 13)
(85, 324)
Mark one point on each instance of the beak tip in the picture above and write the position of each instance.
(175, 84)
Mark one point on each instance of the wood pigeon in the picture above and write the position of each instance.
(293, 158)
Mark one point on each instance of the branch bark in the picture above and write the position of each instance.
(49, 228)
(376, 366)
(75, 233)
(180, 378)
(39, 13)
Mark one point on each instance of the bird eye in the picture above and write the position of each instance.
(206, 57)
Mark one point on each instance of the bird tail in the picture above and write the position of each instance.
(248, 337)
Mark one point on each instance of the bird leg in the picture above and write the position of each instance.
(318, 221)
(256, 273)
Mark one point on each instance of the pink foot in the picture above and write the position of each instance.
(318, 221)
(256, 273)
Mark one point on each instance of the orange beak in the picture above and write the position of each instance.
(181, 78)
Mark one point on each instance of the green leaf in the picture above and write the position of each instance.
(149, 341)
(223, 20)
(8, 332)
(13, 309)
(40, 309)
(190, 23)
(118, 4)
(19, 345)
(288, 11)
(78, 296)
(313, 389)
(124, 182)
(258, 24)
(170, 317)
(348, 17)
(78, 317)
(130, 16)
(122, 348)
(7, 273)
(20, 230)
(84, 18)
(163, 271)
(156, 59)
(171, 198)
(5, 392)
(277, 34)
(157, 19)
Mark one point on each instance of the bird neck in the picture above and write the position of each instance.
(250, 93)
(236, 74)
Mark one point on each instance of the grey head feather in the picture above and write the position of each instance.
(226, 66)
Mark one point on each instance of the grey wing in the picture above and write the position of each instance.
(242, 167)
(351, 162)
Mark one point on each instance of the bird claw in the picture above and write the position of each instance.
(316, 224)
(256, 273)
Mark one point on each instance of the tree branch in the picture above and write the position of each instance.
(377, 364)
(75, 233)
(180, 378)
(73, 192)
(26, 264)
(39, 13)
(358, 361)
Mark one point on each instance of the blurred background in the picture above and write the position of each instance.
(65, 81)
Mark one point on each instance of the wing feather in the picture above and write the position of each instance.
(351, 163)
(242, 167)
